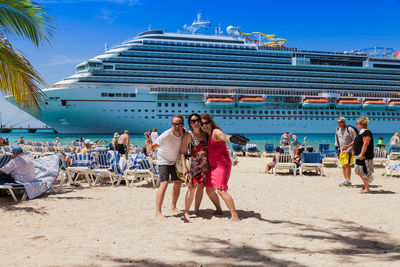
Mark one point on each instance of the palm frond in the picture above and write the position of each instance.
(19, 79)
(26, 19)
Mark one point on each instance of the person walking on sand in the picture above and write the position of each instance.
(169, 147)
(196, 140)
(364, 151)
(219, 166)
(344, 141)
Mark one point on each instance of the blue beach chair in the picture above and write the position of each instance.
(107, 167)
(238, 150)
(81, 164)
(142, 168)
(311, 161)
(268, 150)
(252, 150)
(330, 157)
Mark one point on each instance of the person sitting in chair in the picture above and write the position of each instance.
(20, 169)
(271, 165)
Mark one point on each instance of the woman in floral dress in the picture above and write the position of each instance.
(196, 140)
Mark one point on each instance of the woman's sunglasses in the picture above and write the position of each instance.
(204, 123)
(195, 120)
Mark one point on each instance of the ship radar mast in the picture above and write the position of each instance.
(197, 25)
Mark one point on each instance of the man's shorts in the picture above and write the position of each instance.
(121, 148)
(164, 172)
(346, 158)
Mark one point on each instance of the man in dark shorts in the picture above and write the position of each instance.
(123, 143)
(169, 145)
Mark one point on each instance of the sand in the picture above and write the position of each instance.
(285, 221)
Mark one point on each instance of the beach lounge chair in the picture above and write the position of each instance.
(238, 150)
(286, 149)
(252, 150)
(393, 169)
(394, 153)
(108, 167)
(380, 157)
(146, 168)
(285, 162)
(29, 143)
(311, 161)
(268, 150)
(51, 144)
(330, 157)
(7, 149)
(81, 165)
(67, 150)
(46, 172)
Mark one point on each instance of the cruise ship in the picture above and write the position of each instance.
(250, 83)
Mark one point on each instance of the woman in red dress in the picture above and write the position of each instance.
(219, 166)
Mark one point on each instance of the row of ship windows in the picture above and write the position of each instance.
(266, 112)
(247, 77)
(234, 58)
(211, 45)
(259, 118)
(252, 71)
(186, 81)
(117, 95)
(207, 51)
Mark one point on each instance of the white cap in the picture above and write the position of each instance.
(88, 142)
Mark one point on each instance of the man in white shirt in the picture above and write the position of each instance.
(20, 169)
(169, 145)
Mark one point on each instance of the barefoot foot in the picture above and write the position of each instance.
(175, 210)
(186, 218)
(159, 216)
(234, 219)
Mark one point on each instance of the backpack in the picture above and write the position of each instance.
(347, 128)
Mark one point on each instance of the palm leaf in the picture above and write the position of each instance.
(26, 19)
(19, 79)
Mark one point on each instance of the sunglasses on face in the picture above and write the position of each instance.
(195, 121)
(204, 123)
(177, 124)
(340, 121)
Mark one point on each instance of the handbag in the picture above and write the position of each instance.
(187, 179)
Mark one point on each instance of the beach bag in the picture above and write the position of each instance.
(187, 179)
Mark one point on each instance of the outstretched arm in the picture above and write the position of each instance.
(218, 136)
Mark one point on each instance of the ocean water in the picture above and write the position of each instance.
(259, 139)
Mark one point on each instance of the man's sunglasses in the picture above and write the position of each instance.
(177, 124)
(195, 120)
(204, 123)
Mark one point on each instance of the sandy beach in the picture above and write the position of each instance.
(286, 220)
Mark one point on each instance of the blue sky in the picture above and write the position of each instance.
(84, 26)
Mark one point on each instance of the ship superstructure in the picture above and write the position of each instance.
(247, 86)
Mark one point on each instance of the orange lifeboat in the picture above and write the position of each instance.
(374, 104)
(220, 101)
(349, 103)
(394, 104)
(251, 101)
(316, 103)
